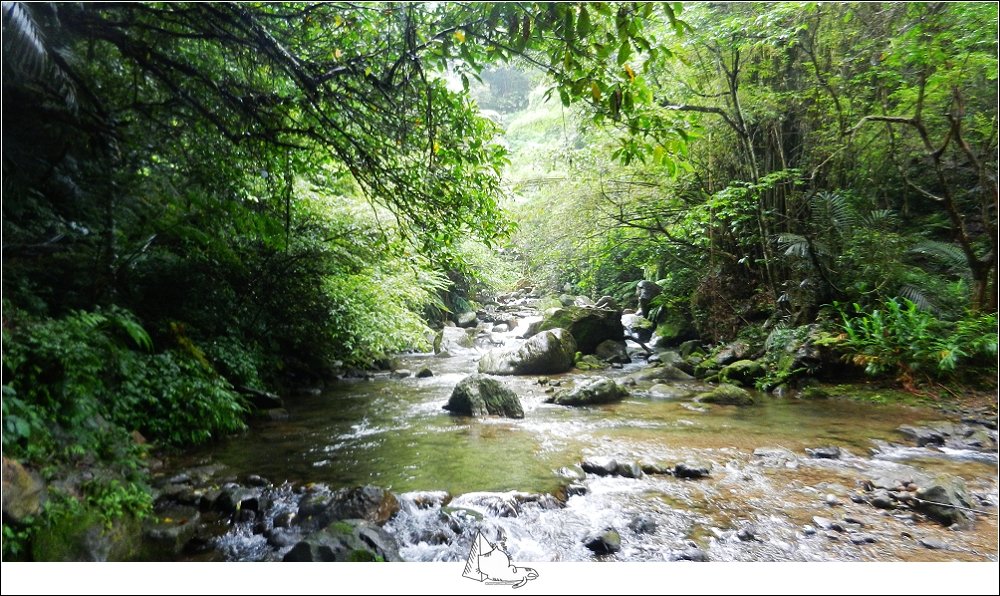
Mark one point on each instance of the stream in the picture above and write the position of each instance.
(764, 498)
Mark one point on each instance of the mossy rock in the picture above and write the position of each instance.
(480, 395)
(589, 362)
(588, 326)
(85, 536)
(742, 372)
(726, 394)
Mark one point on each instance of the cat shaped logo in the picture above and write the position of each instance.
(490, 563)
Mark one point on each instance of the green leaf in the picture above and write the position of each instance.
(624, 52)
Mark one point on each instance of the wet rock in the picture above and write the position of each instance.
(451, 340)
(606, 543)
(728, 395)
(424, 372)
(601, 466)
(234, 498)
(732, 352)
(808, 530)
(689, 347)
(401, 373)
(775, 457)
(575, 488)
(369, 503)
(655, 469)
(881, 500)
(170, 531)
(595, 391)
(832, 535)
(662, 372)
(861, 538)
(281, 537)
(466, 319)
(549, 352)
(480, 395)
(943, 499)
(612, 351)
(349, 540)
(629, 470)
(828, 452)
(573, 472)
(588, 326)
(645, 291)
(607, 302)
(822, 523)
(638, 327)
(922, 435)
(256, 481)
(643, 524)
(23, 491)
(831, 500)
(283, 519)
(690, 554)
(692, 469)
(933, 544)
(747, 534)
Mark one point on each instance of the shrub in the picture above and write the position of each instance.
(900, 337)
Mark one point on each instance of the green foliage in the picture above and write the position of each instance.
(74, 386)
(901, 338)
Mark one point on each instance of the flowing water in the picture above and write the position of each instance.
(393, 433)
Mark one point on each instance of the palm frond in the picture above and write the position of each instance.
(23, 49)
(945, 253)
(919, 297)
(831, 209)
(794, 245)
(880, 219)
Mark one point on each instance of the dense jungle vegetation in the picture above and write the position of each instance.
(205, 202)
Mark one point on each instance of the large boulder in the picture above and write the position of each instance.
(727, 394)
(588, 326)
(645, 291)
(23, 491)
(595, 391)
(613, 351)
(453, 339)
(351, 540)
(675, 327)
(549, 352)
(480, 395)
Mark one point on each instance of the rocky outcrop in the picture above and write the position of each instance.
(549, 352)
(588, 326)
(369, 503)
(480, 395)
